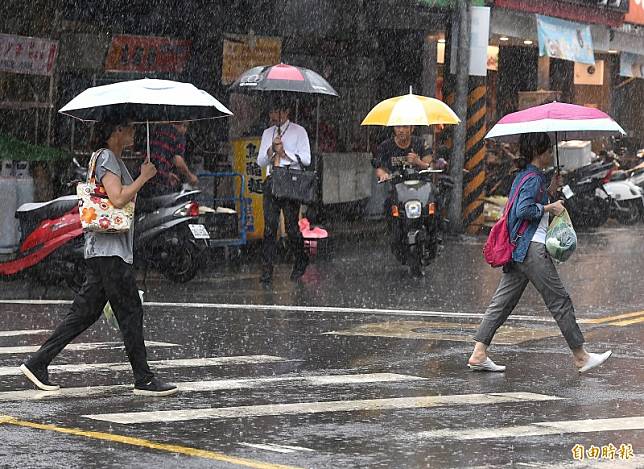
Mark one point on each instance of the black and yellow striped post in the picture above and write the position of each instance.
(474, 177)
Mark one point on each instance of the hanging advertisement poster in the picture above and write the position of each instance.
(244, 52)
(631, 65)
(147, 54)
(30, 55)
(245, 162)
(567, 40)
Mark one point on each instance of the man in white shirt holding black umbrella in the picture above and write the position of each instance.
(283, 144)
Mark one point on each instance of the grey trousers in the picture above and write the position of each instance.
(538, 269)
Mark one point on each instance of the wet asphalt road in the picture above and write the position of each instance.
(358, 365)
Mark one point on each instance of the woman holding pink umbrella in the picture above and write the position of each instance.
(527, 224)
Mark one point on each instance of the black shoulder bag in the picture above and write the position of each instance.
(299, 185)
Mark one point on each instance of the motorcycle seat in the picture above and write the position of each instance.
(150, 204)
(47, 210)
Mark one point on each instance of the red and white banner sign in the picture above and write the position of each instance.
(635, 12)
(147, 54)
(31, 55)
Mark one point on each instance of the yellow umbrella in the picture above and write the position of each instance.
(411, 109)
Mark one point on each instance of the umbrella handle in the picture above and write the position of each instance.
(557, 170)
(147, 130)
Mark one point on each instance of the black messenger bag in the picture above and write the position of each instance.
(298, 185)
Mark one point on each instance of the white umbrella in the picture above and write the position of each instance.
(568, 121)
(146, 100)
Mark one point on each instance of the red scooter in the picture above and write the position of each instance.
(51, 242)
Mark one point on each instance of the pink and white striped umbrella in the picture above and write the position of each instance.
(560, 120)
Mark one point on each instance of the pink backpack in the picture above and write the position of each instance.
(498, 247)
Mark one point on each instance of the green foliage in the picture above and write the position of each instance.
(17, 150)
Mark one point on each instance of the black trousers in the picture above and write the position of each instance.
(108, 278)
(291, 209)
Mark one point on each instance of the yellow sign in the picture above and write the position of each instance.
(245, 152)
(244, 52)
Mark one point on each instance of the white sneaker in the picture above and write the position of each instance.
(594, 360)
(487, 365)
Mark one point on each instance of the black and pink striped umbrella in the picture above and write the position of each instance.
(285, 78)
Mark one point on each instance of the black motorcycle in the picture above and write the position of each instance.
(415, 216)
(587, 201)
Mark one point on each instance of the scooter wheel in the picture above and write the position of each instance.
(182, 264)
(415, 261)
(633, 213)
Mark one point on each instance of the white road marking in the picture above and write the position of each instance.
(215, 385)
(538, 429)
(23, 332)
(165, 416)
(81, 346)
(277, 448)
(157, 364)
(269, 447)
(306, 309)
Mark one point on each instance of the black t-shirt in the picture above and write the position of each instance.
(391, 157)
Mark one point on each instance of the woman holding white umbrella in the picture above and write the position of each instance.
(110, 275)
(109, 255)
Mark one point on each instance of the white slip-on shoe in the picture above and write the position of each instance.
(594, 360)
(41, 382)
(487, 365)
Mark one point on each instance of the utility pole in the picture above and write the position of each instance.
(455, 210)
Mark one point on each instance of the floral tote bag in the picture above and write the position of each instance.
(96, 211)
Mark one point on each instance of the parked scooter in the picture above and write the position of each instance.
(416, 217)
(627, 198)
(168, 236)
(588, 202)
(51, 242)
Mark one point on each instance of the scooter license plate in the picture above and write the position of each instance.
(567, 191)
(199, 231)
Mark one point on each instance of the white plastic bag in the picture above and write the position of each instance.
(109, 315)
(561, 239)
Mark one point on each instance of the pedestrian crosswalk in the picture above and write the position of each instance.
(400, 403)
(24, 332)
(216, 385)
(156, 364)
(301, 391)
(79, 347)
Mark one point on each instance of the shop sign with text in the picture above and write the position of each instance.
(244, 52)
(635, 12)
(30, 55)
(567, 40)
(147, 54)
(618, 5)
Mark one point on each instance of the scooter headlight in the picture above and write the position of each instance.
(413, 209)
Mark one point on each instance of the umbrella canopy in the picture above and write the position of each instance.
(562, 121)
(145, 100)
(283, 77)
(411, 109)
